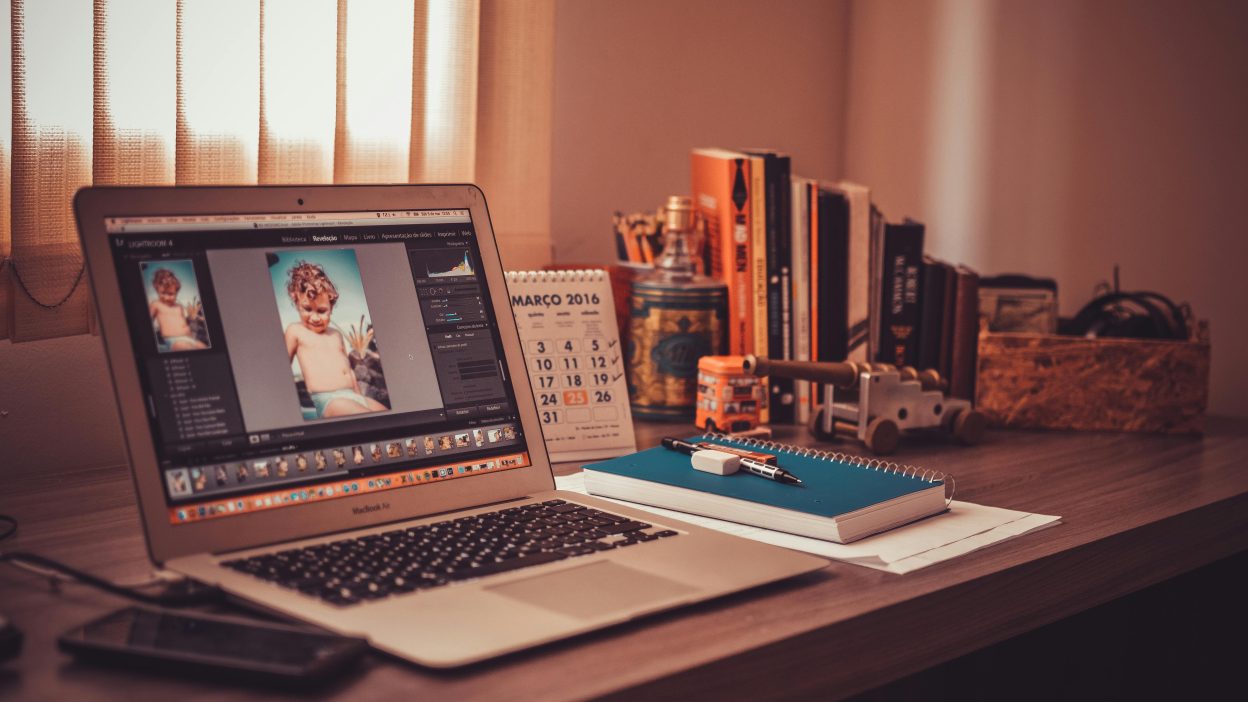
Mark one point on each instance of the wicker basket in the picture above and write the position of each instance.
(1064, 382)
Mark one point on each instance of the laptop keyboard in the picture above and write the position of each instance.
(372, 567)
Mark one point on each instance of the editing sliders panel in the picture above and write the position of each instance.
(452, 304)
(343, 488)
(467, 366)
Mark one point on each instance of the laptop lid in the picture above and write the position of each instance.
(293, 361)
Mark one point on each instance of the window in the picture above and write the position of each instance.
(193, 92)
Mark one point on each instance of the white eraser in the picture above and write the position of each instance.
(717, 462)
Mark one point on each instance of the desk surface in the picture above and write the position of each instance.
(1136, 509)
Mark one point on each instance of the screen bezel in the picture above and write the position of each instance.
(166, 540)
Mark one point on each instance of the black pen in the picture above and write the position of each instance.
(750, 465)
(769, 472)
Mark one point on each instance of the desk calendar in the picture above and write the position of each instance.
(575, 361)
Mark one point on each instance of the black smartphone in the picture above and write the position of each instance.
(201, 644)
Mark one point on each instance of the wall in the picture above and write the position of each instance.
(57, 409)
(640, 83)
(1060, 138)
(1068, 136)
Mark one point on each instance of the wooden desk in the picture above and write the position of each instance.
(1136, 510)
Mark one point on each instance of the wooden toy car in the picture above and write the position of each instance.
(874, 402)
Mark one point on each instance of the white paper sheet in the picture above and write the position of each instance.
(964, 528)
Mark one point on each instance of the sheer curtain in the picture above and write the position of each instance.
(161, 92)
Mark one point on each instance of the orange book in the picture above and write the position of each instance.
(721, 193)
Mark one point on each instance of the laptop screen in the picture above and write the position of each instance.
(293, 358)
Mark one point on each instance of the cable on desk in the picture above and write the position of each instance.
(180, 594)
(183, 594)
(153, 579)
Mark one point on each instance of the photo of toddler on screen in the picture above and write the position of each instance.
(174, 305)
(337, 373)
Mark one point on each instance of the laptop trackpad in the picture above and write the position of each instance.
(594, 590)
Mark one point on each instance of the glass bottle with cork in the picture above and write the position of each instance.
(677, 316)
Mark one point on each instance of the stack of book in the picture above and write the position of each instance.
(814, 272)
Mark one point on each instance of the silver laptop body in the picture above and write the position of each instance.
(316, 387)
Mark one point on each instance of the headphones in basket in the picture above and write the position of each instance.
(1135, 315)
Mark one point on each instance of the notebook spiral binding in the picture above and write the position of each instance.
(563, 276)
(877, 464)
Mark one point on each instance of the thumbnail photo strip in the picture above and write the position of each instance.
(291, 470)
(175, 306)
(328, 333)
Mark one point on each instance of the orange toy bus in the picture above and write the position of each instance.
(729, 398)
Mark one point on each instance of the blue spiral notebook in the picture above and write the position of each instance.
(844, 498)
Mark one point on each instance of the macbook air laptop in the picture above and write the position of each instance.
(327, 415)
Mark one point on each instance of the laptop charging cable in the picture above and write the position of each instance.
(178, 593)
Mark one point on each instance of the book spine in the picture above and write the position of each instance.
(832, 265)
(965, 335)
(899, 321)
(833, 276)
(840, 290)
(812, 206)
(859, 278)
(876, 261)
(945, 364)
(758, 271)
(721, 187)
(799, 253)
(739, 247)
(787, 406)
(780, 392)
(775, 310)
(931, 318)
(778, 279)
(711, 186)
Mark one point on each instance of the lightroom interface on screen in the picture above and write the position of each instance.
(292, 358)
